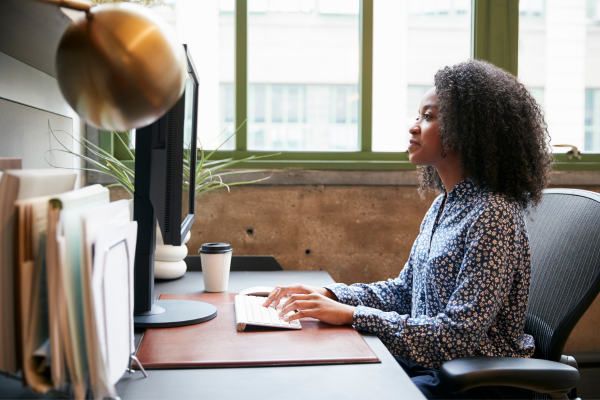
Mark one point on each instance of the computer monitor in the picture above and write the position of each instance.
(173, 151)
(165, 194)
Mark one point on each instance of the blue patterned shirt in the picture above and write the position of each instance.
(463, 291)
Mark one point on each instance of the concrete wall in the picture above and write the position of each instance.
(356, 233)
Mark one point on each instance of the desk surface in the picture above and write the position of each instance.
(386, 380)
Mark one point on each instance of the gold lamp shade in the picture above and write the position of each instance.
(120, 66)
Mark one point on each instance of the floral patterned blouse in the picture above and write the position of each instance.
(463, 291)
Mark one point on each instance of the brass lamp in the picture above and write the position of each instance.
(119, 66)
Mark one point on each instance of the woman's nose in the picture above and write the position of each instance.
(414, 130)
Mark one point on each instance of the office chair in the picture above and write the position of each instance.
(564, 235)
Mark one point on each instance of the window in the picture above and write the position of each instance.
(592, 120)
(592, 78)
(209, 34)
(412, 40)
(303, 59)
(554, 62)
(335, 84)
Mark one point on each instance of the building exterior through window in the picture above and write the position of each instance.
(303, 67)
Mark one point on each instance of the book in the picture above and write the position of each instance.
(72, 276)
(65, 258)
(32, 297)
(9, 163)
(19, 185)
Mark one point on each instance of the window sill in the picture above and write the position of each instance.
(575, 178)
(364, 178)
(388, 178)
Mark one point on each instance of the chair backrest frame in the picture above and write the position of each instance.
(563, 329)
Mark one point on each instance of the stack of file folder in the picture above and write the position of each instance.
(66, 283)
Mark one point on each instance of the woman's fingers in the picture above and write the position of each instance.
(281, 291)
(299, 302)
(290, 305)
(280, 295)
(306, 313)
(271, 298)
(317, 306)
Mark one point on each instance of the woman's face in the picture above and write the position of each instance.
(425, 143)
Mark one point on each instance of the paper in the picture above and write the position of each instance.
(112, 285)
(74, 290)
(111, 217)
(70, 265)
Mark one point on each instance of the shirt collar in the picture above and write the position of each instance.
(465, 189)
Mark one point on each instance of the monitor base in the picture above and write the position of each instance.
(177, 313)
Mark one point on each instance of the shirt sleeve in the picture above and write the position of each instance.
(391, 295)
(482, 285)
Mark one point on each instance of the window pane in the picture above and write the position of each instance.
(227, 102)
(340, 104)
(259, 103)
(207, 28)
(413, 39)
(592, 120)
(558, 61)
(303, 61)
(293, 104)
(277, 106)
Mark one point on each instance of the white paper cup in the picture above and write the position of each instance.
(216, 262)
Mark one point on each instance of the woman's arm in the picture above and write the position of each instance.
(391, 295)
(311, 301)
(482, 285)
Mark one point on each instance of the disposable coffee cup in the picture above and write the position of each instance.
(216, 262)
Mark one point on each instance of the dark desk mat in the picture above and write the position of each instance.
(217, 343)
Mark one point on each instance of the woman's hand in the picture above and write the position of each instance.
(311, 301)
(316, 305)
(284, 291)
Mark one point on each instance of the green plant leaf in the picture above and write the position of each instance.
(208, 173)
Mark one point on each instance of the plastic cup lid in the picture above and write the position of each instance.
(215, 248)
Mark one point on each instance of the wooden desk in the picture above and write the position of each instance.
(349, 381)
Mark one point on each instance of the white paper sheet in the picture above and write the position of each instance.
(112, 286)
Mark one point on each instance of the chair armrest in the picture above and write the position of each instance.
(541, 376)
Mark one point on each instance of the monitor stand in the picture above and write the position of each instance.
(173, 313)
(148, 197)
(150, 313)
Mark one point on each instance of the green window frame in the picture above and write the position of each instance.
(494, 37)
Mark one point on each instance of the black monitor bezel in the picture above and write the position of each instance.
(157, 198)
(186, 225)
(167, 194)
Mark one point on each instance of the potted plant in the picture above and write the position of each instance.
(208, 172)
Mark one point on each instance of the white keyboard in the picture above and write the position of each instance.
(249, 311)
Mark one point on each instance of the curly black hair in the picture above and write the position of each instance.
(497, 128)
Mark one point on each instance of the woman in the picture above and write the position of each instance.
(480, 139)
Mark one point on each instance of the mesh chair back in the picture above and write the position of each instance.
(564, 236)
